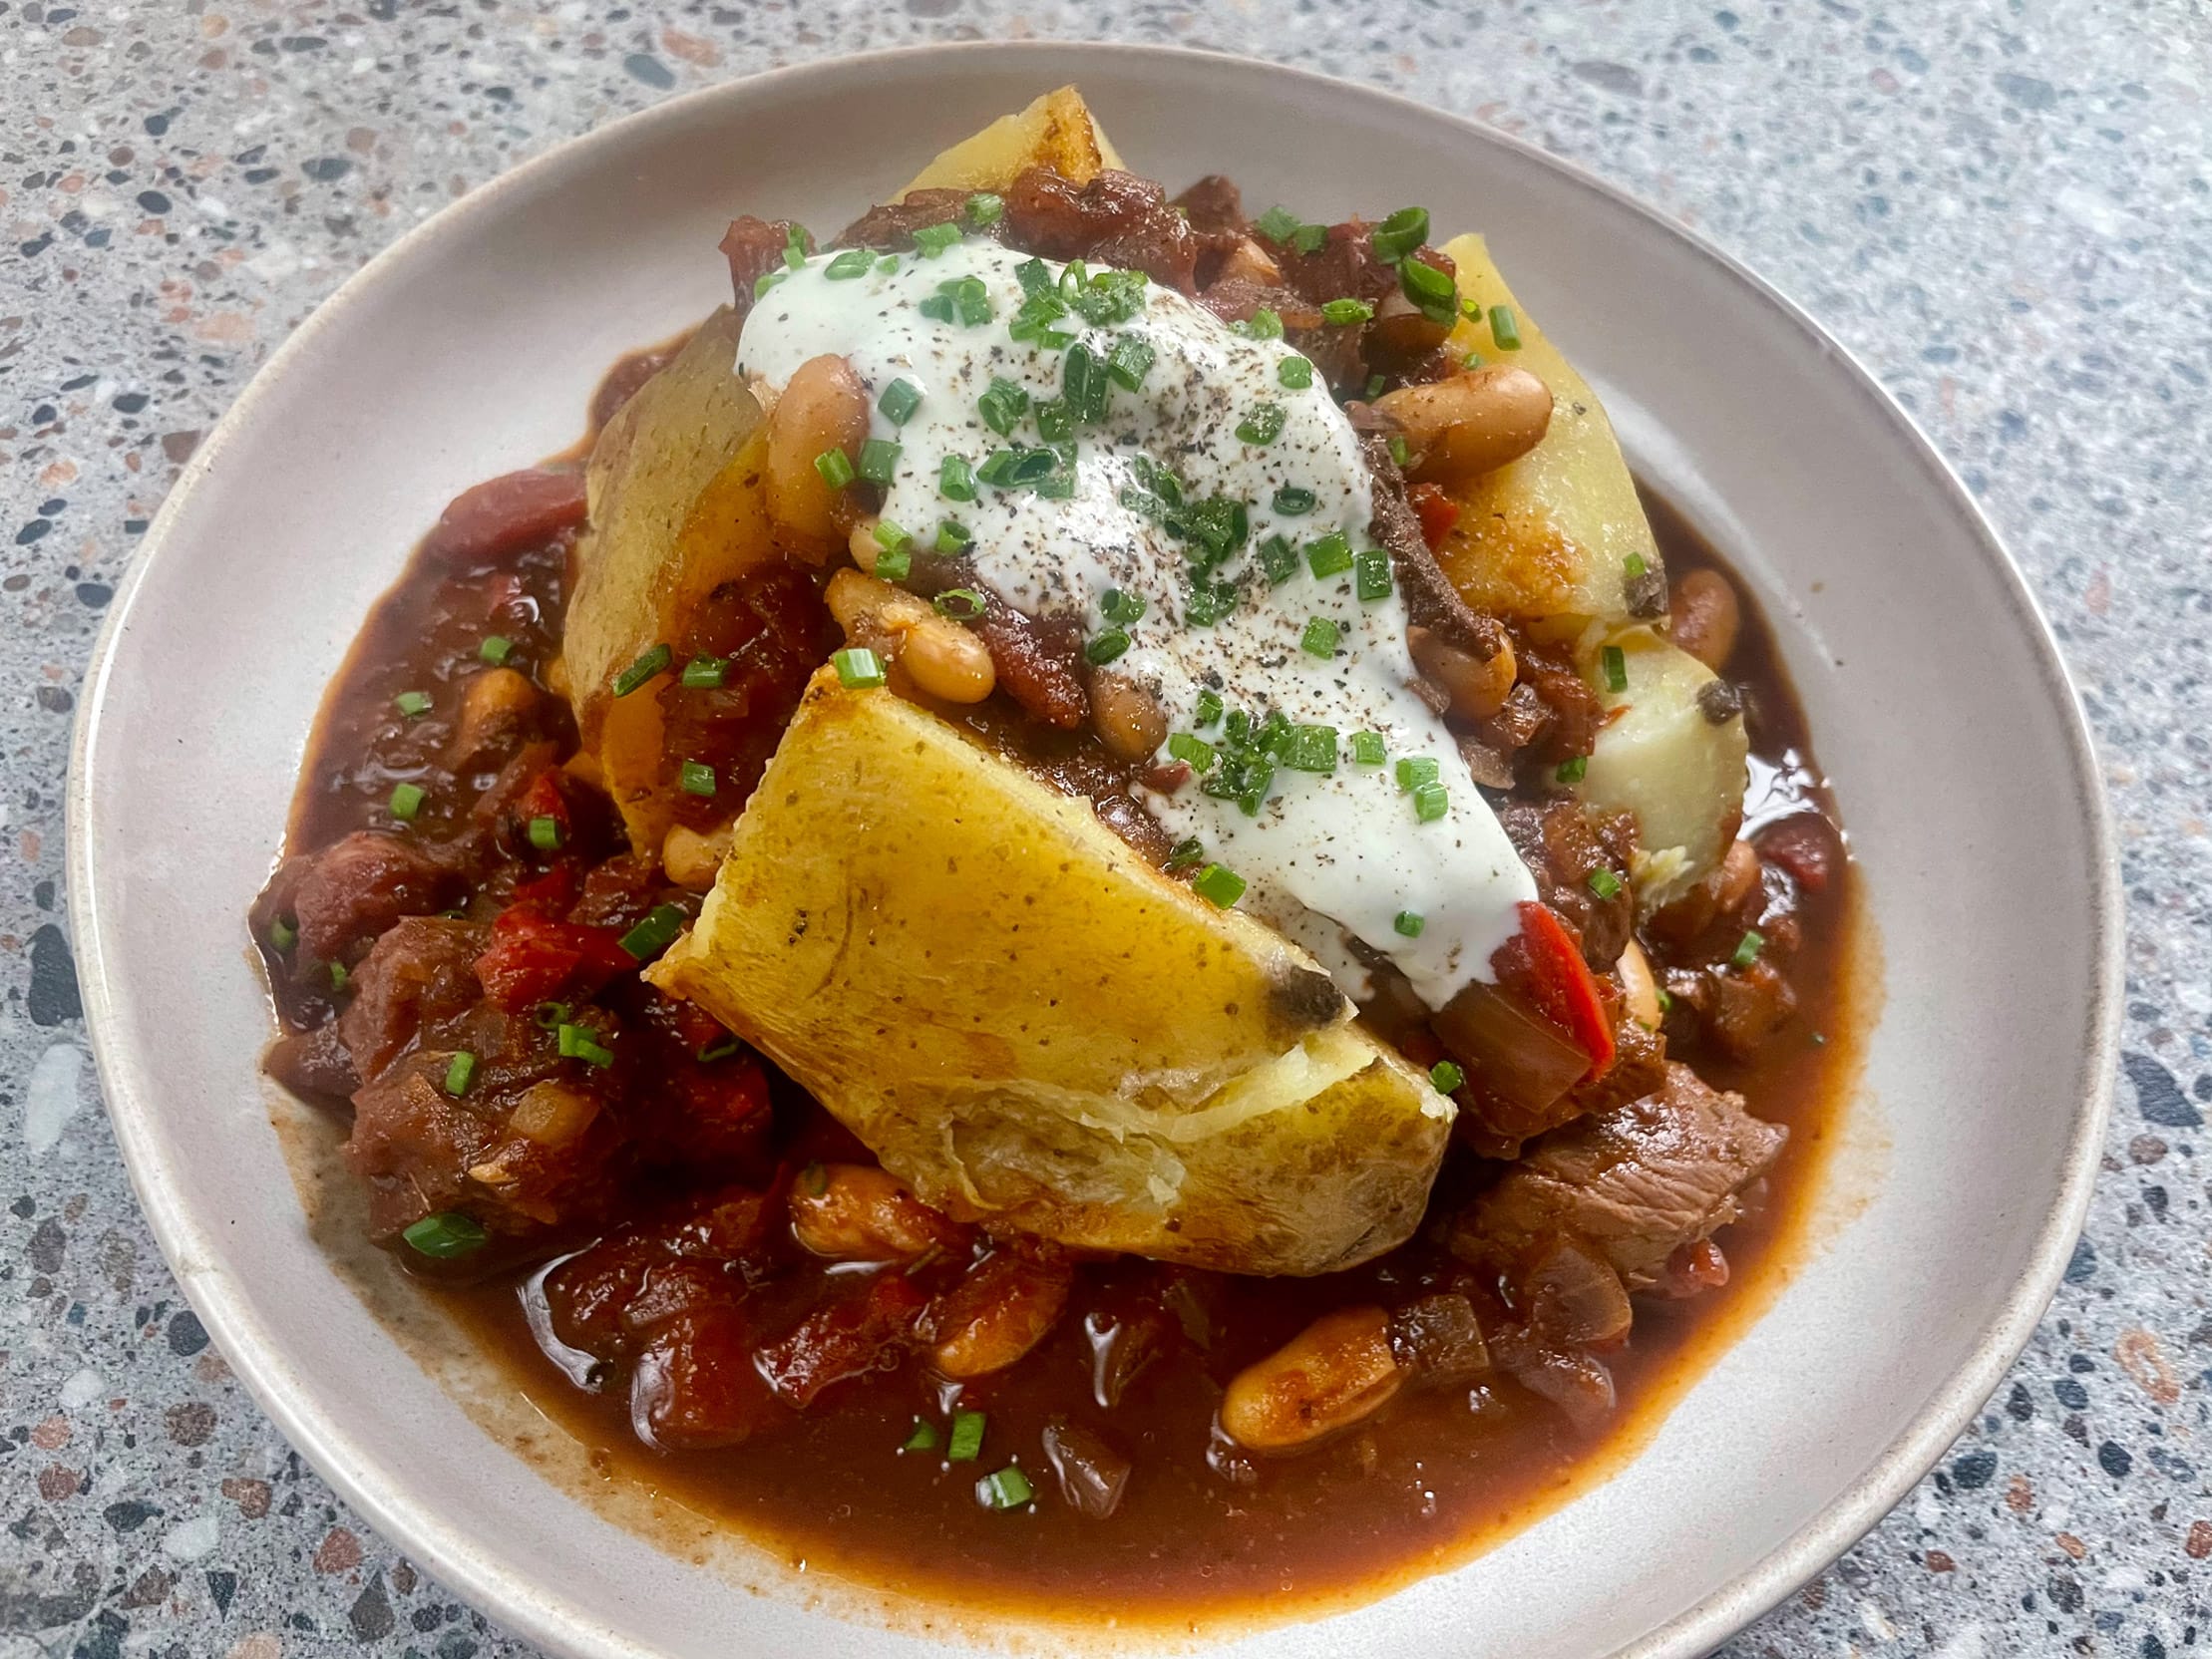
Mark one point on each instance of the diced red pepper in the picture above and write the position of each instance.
(694, 1386)
(1557, 981)
(533, 958)
(846, 1339)
(1437, 511)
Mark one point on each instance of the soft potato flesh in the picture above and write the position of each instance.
(1662, 759)
(1056, 131)
(675, 509)
(1029, 1024)
(1548, 537)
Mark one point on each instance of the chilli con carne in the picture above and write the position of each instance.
(1158, 502)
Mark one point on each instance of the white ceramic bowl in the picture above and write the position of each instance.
(1939, 704)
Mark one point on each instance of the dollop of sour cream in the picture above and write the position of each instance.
(1297, 618)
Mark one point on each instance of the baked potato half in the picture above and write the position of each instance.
(1551, 538)
(675, 509)
(1056, 131)
(1029, 1024)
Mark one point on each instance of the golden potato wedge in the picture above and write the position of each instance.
(1056, 131)
(1547, 537)
(675, 509)
(1664, 759)
(1029, 1024)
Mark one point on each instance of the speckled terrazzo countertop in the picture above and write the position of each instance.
(2005, 209)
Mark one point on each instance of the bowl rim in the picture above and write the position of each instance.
(513, 1599)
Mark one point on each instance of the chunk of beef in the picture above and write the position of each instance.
(1636, 1184)
(504, 516)
(1564, 846)
(1235, 299)
(1431, 601)
(1116, 219)
(1214, 204)
(892, 224)
(313, 1063)
(421, 972)
(358, 887)
(754, 247)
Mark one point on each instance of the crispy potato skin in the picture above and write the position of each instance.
(1548, 536)
(675, 508)
(1031, 1025)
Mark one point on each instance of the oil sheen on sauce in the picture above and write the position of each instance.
(1206, 483)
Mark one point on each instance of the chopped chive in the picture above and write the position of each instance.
(1430, 802)
(1320, 637)
(1400, 450)
(1505, 333)
(1373, 574)
(460, 1074)
(1635, 567)
(544, 833)
(1748, 949)
(1341, 312)
(1309, 238)
(1330, 556)
(968, 1437)
(1123, 608)
(1055, 420)
(1278, 560)
(1410, 923)
(652, 663)
(895, 554)
(1571, 771)
(577, 1041)
(1399, 234)
(853, 261)
(1434, 294)
(1197, 753)
(1310, 749)
(551, 1016)
(1295, 500)
(705, 672)
(283, 935)
(923, 1437)
(1262, 324)
(1129, 362)
(899, 402)
(795, 248)
(720, 1049)
(1368, 749)
(446, 1235)
(413, 704)
(765, 282)
(836, 468)
(955, 478)
(1009, 1488)
(887, 263)
(983, 208)
(406, 802)
(1104, 647)
(932, 240)
(1605, 883)
(1277, 224)
(972, 300)
(953, 538)
(1473, 360)
(936, 307)
(1184, 853)
(696, 778)
(1446, 1077)
(879, 462)
(1666, 1000)
(1262, 426)
(858, 667)
(1416, 770)
(1374, 386)
(962, 604)
(1219, 885)
(1208, 708)
(494, 649)
(339, 978)
(1297, 373)
(1616, 668)
(1002, 407)
(655, 933)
